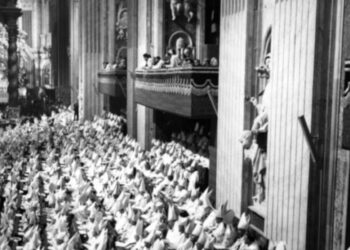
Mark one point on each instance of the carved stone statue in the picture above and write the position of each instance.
(175, 6)
(254, 151)
(259, 128)
(188, 7)
(122, 21)
(261, 121)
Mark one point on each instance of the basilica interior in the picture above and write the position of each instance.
(174, 124)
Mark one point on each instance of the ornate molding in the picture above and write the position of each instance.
(122, 21)
(184, 81)
(179, 89)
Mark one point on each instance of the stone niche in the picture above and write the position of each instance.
(121, 26)
(197, 22)
(182, 26)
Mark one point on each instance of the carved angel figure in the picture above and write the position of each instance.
(187, 5)
(175, 6)
(189, 9)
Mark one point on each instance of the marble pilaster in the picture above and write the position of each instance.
(13, 67)
(88, 82)
(200, 31)
(132, 64)
(36, 31)
(104, 33)
(83, 47)
(74, 50)
(158, 28)
(111, 30)
(45, 16)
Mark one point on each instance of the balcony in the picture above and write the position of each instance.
(191, 92)
(112, 83)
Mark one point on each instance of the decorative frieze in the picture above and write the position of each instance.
(184, 81)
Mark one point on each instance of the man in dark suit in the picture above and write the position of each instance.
(76, 110)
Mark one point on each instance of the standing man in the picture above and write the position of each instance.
(76, 110)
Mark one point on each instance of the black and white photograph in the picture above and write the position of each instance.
(174, 124)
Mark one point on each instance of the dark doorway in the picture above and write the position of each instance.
(185, 130)
(117, 105)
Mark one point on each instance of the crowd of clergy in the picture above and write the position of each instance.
(68, 184)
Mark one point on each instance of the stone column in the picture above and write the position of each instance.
(12, 64)
(88, 62)
(45, 13)
(132, 64)
(104, 44)
(157, 33)
(35, 24)
(93, 73)
(93, 26)
(144, 114)
(104, 31)
(46, 37)
(97, 63)
(36, 31)
(75, 49)
(200, 31)
(158, 28)
(70, 50)
(111, 30)
(82, 49)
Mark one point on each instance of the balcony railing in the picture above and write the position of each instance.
(190, 92)
(112, 83)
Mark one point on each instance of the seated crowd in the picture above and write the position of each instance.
(85, 185)
(120, 64)
(197, 141)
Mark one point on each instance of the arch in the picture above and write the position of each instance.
(122, 21)
(122, 53)
(180, 34)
